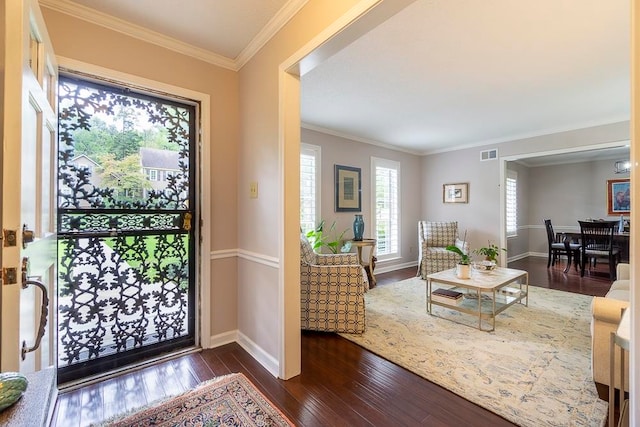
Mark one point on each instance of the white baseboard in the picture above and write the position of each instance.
(539, 254)
(265, 359)
(222, 339)
(381, 268)
(528, 254)
(518, 257)
(269, 362)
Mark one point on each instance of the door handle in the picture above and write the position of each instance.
(44, 308)
(186, 221)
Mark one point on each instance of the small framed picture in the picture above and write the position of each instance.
(348, 189)
(455, 193)
(618, 196)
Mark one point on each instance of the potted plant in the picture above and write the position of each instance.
(463, 269)
(490, 252)
(319, 238)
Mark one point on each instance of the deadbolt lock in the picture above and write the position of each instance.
(27, 236)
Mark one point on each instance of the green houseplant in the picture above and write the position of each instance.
(463, 268)
(319, 238)
(464, 258)
(490, 252)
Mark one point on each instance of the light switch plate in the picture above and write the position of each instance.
(253, 190)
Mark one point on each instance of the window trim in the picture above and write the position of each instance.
(511, 175)
(317, 153)
(390, 164)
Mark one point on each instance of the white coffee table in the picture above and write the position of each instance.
(485, 294)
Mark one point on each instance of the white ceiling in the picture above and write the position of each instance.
(439, 75)
(223, 27)
(445, 73)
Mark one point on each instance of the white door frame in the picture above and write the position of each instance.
(203, 180)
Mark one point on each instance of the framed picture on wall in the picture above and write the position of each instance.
(455, 193)
(619, 196)
(348, 189)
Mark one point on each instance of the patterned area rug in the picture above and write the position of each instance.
(533, 370)
(230, 400)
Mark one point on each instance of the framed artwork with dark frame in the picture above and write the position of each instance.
(348, 189)
(619, 196)
(455, 193)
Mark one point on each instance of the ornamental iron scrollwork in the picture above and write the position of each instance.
(124, 190)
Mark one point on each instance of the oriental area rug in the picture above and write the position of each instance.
(231, 400)
(534, 369)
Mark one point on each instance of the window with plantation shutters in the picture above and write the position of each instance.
(386, 206)
(309, 186)
(512, 203)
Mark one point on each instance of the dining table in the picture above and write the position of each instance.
(620, 239)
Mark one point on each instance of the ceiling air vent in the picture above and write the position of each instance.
(489, 154)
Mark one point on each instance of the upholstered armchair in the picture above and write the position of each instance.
(332, 291)
(433, 238)
(606, 313)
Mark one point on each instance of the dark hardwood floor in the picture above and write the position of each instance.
(341, 383)
(595, 282)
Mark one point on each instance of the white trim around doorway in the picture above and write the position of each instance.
(203, 183)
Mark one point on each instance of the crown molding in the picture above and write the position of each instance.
(535, 134)
(136, 31)
(332, 132)
(274, 25)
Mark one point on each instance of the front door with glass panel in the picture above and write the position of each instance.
(126, 224)
(27, 239)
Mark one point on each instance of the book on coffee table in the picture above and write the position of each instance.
(512, 292)
(447, 296)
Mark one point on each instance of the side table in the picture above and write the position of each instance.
(621, 338)
(371, 264)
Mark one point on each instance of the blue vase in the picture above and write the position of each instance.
(358, 227)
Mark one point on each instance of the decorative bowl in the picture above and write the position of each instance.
(484, 266)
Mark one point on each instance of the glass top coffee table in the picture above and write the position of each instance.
(485, 294)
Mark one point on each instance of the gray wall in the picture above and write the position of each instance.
(481, 216)
(346, 152)
(566, 194)
(563, 193)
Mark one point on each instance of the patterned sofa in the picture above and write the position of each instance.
(332, 291)
(433, 238)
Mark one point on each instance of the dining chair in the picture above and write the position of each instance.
(558, 247)
(597, 243)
